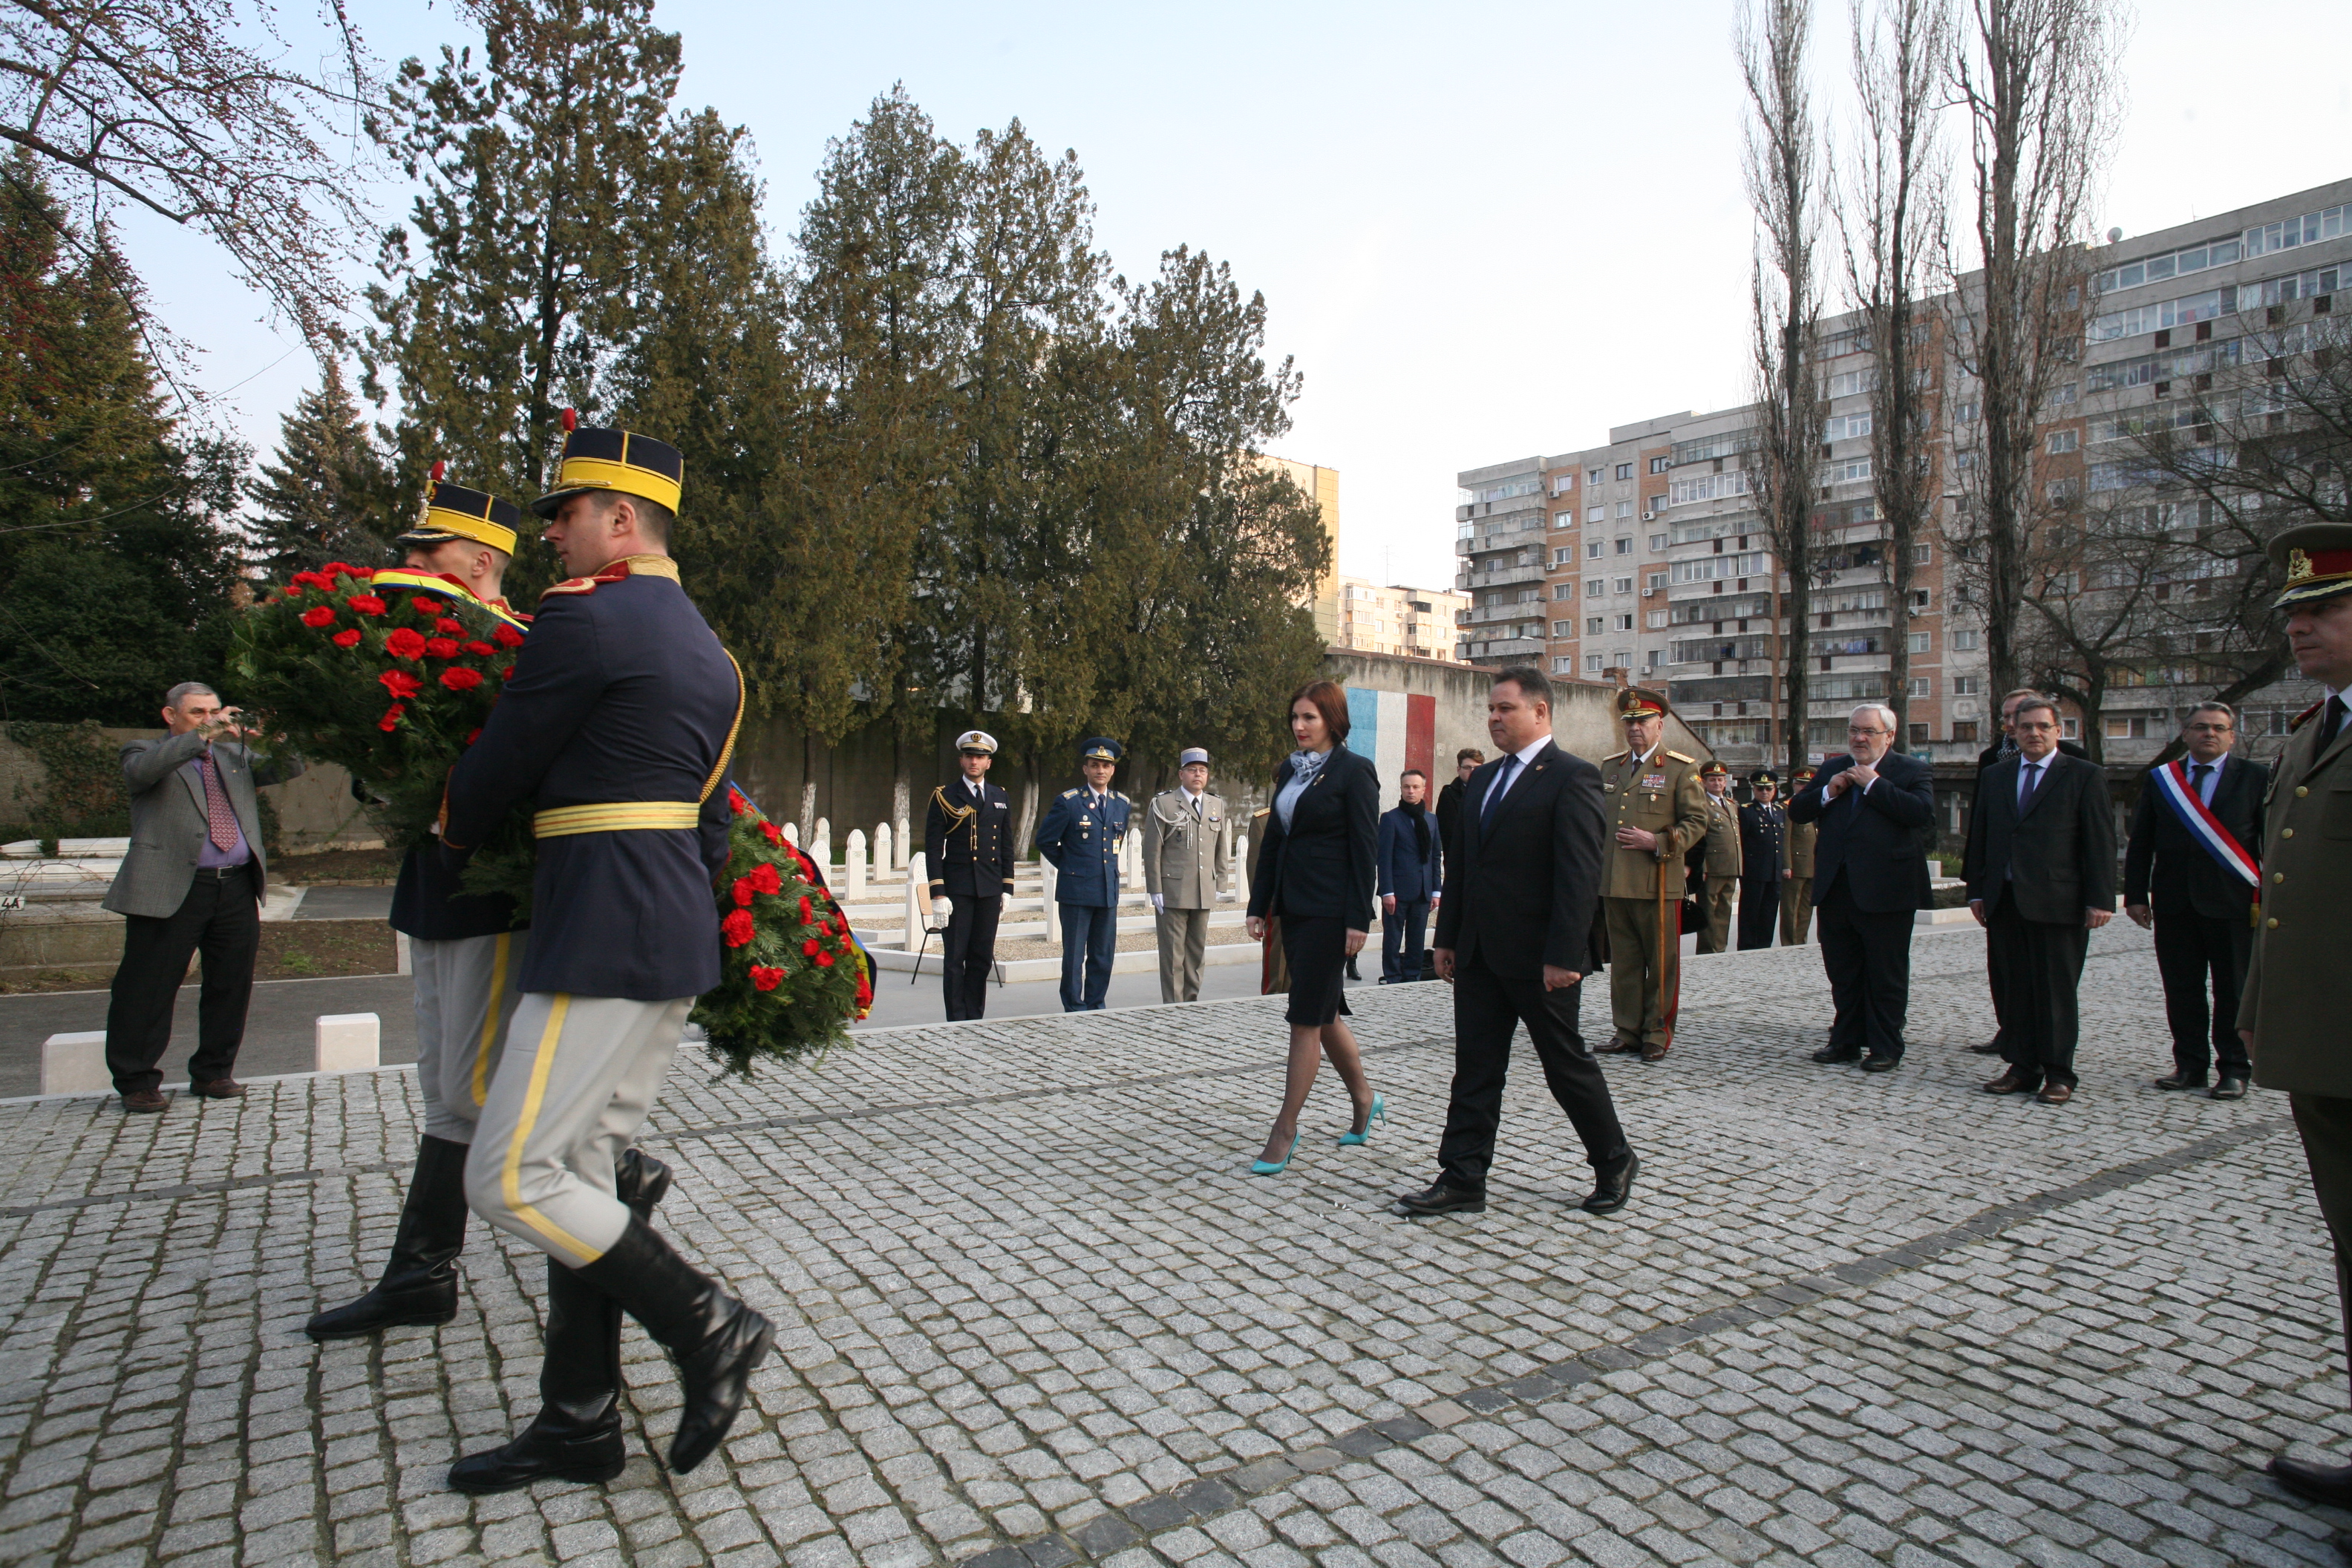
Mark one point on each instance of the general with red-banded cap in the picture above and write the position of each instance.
(1656, 813)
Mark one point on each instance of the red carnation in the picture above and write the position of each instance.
(400, 683)
(507, 636)
(810, 947)
(736, 928)
(767, 878)
(824, 961)
(440, 648)
(473, 737)
(776, 834)
(334, 569)
(348, 639)
(450, 625)
(367, 603)
(480, 649)
(425, 607)
(743, 891)
(808, 910)
(312, 580)
(391, 718)
(461, 679)
(504, 673)
(319, 615)
(765, 977)
(403, 643)
(736, 803)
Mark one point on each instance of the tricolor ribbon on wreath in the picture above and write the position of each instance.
(2172, 783)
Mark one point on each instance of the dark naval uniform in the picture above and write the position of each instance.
(1763, 860)
(617, 724)
(466, 952)
(968, 847)
(1080, 838)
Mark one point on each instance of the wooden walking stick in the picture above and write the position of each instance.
(1666, 1012)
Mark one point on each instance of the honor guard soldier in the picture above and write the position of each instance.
(617, 724)
(1658, 811)
(2291, 1015)
(1763, 859)
(1080, 838)
(1720, 858)
(1797, 888)
(466, 948)
(968, 845)
(1188, 852)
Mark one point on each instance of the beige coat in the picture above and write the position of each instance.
(1663, 796)
(1801, 847)
(1187, 864)
(2293, 990)
(1722, 855)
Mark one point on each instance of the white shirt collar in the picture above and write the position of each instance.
(1191, 797)
(1527, 754)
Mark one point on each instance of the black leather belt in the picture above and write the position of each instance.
(222, 873)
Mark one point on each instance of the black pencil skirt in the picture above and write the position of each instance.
(1316, 949)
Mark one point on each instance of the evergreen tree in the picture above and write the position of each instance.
(116, 564)
(328, 496)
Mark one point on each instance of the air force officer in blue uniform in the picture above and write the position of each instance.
(1080, 837)
(616, 725)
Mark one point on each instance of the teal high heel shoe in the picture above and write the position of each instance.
(1380, 1109)
(1268, 1168)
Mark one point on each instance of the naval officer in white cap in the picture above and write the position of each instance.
(968, 845)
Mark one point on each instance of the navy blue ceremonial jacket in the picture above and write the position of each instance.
(1082, 838)
(621, 693)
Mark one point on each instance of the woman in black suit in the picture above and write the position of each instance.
(1315, 871)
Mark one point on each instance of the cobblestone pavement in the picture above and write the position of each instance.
(1031, 1310)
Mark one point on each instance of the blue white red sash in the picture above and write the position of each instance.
(2172, 783)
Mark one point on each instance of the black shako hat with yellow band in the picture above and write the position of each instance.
(597, 458)
(2317, 560)
(453, 511)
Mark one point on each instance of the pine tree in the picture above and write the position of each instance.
(328, 495)
(116, 566)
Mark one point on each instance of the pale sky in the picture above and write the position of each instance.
(1483, 230)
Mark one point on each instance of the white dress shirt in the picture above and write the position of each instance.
(1526, 755)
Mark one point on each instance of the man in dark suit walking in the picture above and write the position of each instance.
(1412, 878)
(193, 880)
(1870, 876)
(2000, 751)
(2198, 892)
(1511, 937)
(2044, 881)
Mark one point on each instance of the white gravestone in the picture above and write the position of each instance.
(852, 870)
(76, 1064)
(919, 909)
(346, 1042)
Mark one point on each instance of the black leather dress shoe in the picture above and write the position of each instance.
(1614, 1186)
(1832, 1054)
(1441, 1199)
(1990, 1049)
(2180, 1080)
(2313, 1481)
(2230, 1088)
(2013, 1083)
(2342, 1542)
(1876, 1063)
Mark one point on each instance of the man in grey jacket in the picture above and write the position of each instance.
(191, 881)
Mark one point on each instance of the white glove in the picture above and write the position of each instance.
(941, 908)
(1159, 903)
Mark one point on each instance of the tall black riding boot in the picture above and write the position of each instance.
(420, 1281)
(715, 1340)
(576, 1435)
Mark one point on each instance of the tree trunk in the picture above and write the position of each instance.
(1026, 825)
(808, 786)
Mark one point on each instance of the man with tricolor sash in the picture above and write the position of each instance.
(2292, 1016)
(617, 725)
(2189, 871)
(465, 949)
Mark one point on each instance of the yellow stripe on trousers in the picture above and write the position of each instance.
(542, 1062)
(490, 1020)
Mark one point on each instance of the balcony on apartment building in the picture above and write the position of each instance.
(1519, 610)
(1497, 575)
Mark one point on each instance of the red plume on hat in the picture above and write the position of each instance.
(571, 420)
(440, 469)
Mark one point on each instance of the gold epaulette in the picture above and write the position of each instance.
(940, 796)
(1069, 794)
(1616, 756)
(2300, 720)
(1678, 757)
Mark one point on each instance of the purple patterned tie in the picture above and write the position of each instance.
(220, 817)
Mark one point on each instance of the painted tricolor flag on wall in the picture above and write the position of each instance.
(1397, 730)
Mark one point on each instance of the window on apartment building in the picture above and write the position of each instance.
(1592, 626)
(1592, 662)
(1561, 483)
(1621, 585)
(1595, 513)
(1657, 542)
(1563, 628)
(1624, 547)
(2132, 729)
(1595, 476)
(1921, 686)
(1965, 641)
(1918, 734)
(1968, 686)
(1918, 642)
(1657, 581)
(1562, 554)
(2063, 441)
(1626, 622)
(1660, 465)
(1623, 658)
(1657, 620)
(1563, 590)
(1624, 470)
(1594, 549)
(2069, 729)
(1625, 509)
(1921, 599)
(1560, 519)
(1919, 554)
(1594, 588)
(2061, 396)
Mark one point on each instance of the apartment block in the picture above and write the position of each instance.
(1645, 559)
(1418, 622)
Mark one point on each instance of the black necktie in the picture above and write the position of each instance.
(2334, 722)
(2032, 784)
(1502, 783)
(2197, 779)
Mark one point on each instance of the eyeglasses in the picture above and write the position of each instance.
(2211, 728)
(1869, 732)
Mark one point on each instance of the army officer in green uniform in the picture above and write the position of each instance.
(2292, 1016)
(1657, 814)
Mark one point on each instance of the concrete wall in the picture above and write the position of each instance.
(1584, 718)
(315, 811)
